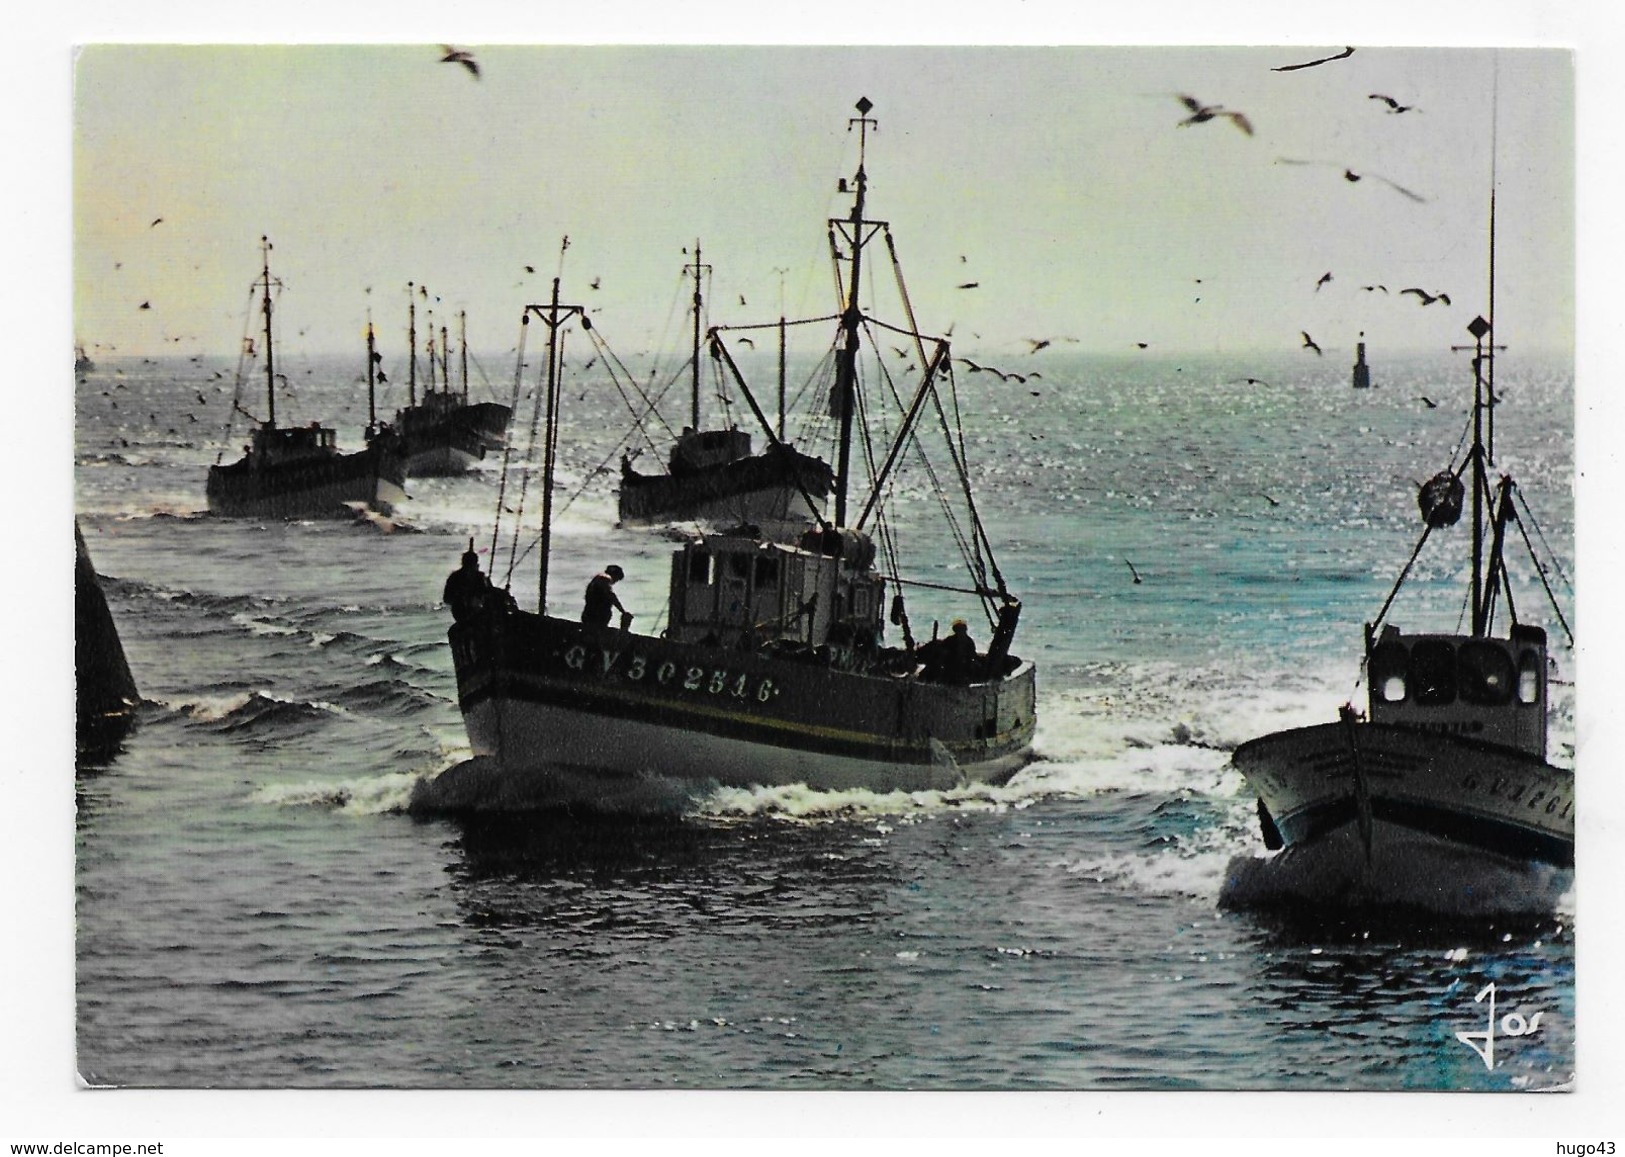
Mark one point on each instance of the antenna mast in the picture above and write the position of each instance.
(846, 368)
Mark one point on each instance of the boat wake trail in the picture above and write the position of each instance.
(482, 786)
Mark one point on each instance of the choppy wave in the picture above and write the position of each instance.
(257, 711)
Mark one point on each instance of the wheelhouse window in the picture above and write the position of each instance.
(1388, 662)
(1433, 673)
(1485, 674)
(699, 567)
(1529, 678)
(767, 571)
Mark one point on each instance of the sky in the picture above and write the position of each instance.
(1059, 181)
(1060, 174)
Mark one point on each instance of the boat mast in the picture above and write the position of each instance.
(781, 273)
(412, 343)
(432, 357)
(694, 406)
(270, 356)
(553, 315)
(846, 364)
(372, 379)
(462, 348)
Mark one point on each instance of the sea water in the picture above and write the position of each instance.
(256, 906)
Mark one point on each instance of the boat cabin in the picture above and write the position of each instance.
(277, 444)
(735, 590)
(1473, 686)
(701, 449)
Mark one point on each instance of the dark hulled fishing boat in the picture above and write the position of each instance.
(105, 695)
(774, 666)
(299, 471)
(443, 433)
(1453, 744)
(712, 475)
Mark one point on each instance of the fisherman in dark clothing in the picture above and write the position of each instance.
(601, 600)
(958, 654)
(467, 588)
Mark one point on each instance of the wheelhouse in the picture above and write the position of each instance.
(1475, 686)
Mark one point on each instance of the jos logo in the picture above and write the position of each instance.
(1512, 1024)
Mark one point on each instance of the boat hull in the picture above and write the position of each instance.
(1475, 794)
(448, 439)
(106, 698)
(588, 714)
(325, 487)
(765, 489)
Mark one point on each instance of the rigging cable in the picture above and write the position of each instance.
(1540, 570)
(524, 480)
(507, 443)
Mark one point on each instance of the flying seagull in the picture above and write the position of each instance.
(1370, 288)
(1309, 343)
(1428, 402)
(145, 305)
(1426, 297)
(1132, 571)
(1349, 51)
(458, 56)
(1037, 344)
(746, 341)
(1393, 105)
(969, 285)
(1268, 499)
(1324, 278)
(1351, 176)
(156, 221)
(1202, 113)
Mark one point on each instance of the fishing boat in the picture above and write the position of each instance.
(443, 432)
(105, 695)
(712, 475)
(1452, 745)
(299, 471)
(774, 665)
(1362, 371)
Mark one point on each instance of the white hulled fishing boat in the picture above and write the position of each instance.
(774, 666)
(1452, 746)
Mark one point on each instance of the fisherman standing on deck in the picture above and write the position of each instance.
(958, 654)
(601, 598)
(467, 587)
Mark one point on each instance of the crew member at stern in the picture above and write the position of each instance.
(601, 599)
